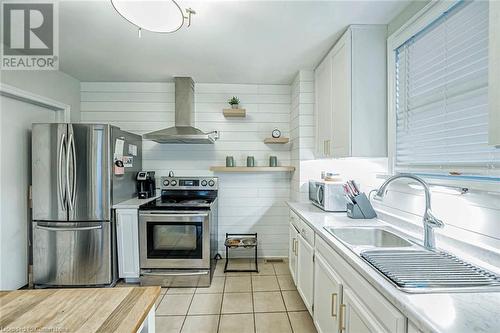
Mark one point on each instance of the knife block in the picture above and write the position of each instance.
(361, 208)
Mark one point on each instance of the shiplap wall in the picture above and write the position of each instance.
(247, 202)
(302, 131)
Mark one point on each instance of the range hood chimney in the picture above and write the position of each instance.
(183, 131)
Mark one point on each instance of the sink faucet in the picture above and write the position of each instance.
(430, 221)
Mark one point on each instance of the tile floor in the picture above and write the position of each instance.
(264, 302)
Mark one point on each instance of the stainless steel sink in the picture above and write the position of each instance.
(368, 236)
(411, 267)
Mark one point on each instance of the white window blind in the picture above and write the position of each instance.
(442, 93)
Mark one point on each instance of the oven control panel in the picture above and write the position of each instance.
(189, 183)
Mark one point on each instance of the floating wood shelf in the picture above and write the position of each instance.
(241, 113)
(252, 169)
(276, 140)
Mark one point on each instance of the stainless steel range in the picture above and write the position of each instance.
(178, 233)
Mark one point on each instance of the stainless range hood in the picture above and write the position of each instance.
(183, 131)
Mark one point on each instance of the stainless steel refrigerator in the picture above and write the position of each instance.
(74, 187)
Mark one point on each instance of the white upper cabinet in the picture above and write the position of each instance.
(341, 99)
(323, 106)
(351, 95)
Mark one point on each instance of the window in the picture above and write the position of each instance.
(441, 97)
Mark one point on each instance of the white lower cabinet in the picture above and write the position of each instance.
(339, 299)
(127, 236)
(327, 297)
(292, 252)
(361, 308)
(412, 328)
(355, 317)
(305, 272)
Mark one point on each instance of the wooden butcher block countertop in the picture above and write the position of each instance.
(84, 310)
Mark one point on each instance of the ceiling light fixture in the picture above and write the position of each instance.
(160, 16)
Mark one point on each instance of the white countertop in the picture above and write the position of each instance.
(442, 312)
(133, 203)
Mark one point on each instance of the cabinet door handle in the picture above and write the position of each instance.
(342, 318)
(293, 245)
(334, 305)
(296, 247)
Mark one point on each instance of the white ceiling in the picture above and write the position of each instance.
(229, 41)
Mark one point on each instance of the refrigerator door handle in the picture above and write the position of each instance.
(71, 189)
(67, 228)
(59, 172)
(73, 154)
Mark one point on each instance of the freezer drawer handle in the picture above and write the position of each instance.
(68, 229)
(174, 274)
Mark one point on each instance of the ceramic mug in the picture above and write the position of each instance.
(250, 161)
(229, 161)
(273, 161)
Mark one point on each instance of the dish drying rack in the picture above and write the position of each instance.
(234, 241)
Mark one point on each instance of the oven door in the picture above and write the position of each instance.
(174, 240)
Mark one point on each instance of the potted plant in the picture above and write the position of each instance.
(234, 102)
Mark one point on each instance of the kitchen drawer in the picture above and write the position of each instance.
(302, 227)
(385, 313)
(307, 232)
(295, 220)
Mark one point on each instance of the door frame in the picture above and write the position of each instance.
(62, 110)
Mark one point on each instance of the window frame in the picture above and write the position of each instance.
(414, 25)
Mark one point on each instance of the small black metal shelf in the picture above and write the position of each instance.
(241, 241)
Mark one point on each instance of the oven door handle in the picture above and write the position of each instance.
(174, 274)
(172, 214)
